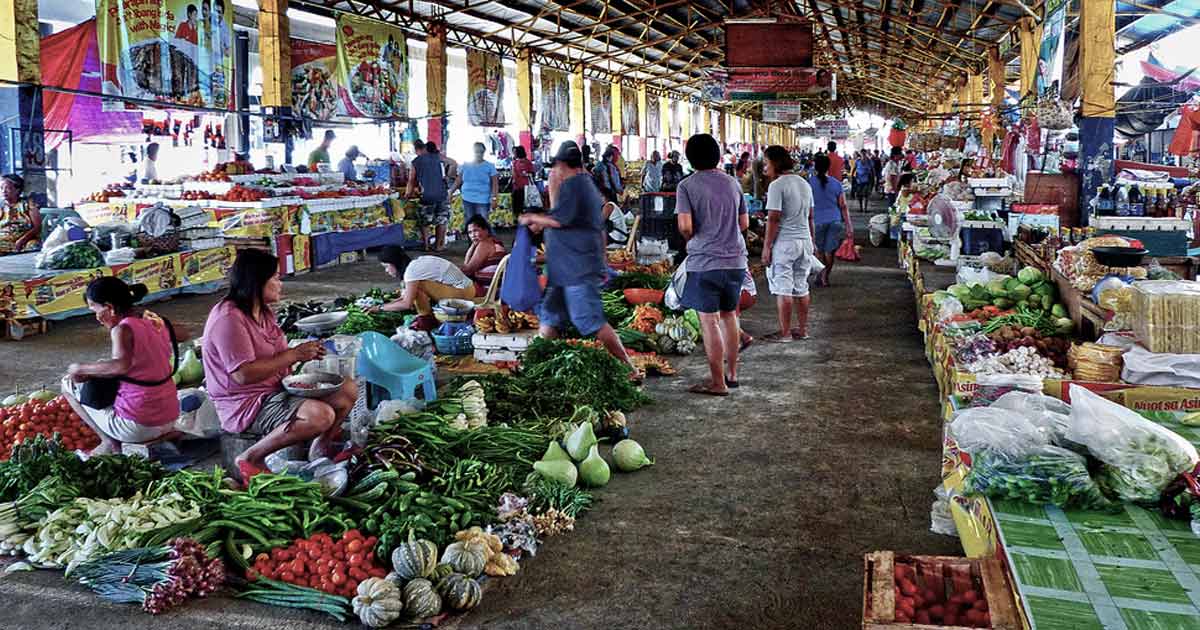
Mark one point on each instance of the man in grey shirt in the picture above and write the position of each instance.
(711, 214)
(428, 171)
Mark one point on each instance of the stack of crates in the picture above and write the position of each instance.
(658, 219)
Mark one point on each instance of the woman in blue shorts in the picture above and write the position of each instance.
(831, 216)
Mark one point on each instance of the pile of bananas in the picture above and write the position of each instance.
(514, 322)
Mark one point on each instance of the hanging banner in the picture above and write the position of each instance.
(833, 129)
(653, 116)
(773, 84)
(790, 43)
(601, 99)
(485, 89)
(314, 84)
(789, 112)
(556, 100)
(1050, 55)
(171, 51)
(697, 125)
(676, 121)
(372, 69)
(629, 112)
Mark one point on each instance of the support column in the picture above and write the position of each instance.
(21, 106)
(525, 99)
(275, 53)
(975, 102)
(1097, 55)
(1030, 38)
(578, 105)
(706, 119)
(643, 126)
(685, 117)
(618, 121)
(435, 82)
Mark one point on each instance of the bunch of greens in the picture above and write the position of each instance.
(101, 477)
(545, 494)
(616, 309)
(639, 280)
(360, 321)
(1049, 474)
(580, 374)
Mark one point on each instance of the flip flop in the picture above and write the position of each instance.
(777, 337)
(798, 336)
(731, 384)
(246, 471)
(706, 390)
(745, 344)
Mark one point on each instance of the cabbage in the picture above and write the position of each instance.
(580, 440)
(629, 456)
(555, 453)
(1012, 284)
(557, 471)
(43, 395)
(1029, 275)
(996, 289)
(1020, 292)
(960, 291)
(593, 471)
(941, 296)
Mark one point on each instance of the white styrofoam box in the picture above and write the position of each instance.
(516, 342)
(987, 182)
(1141, 224)
(495, 356)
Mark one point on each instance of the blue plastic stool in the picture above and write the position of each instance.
(386, 365)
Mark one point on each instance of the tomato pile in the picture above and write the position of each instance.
(196, 195)
(319, 562)
(967, 607)
(241, 193)
(45, 418)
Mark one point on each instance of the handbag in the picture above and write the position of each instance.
(533, 196)
(101, 392)
(1052, 112)
(520, 288)
(673, 296)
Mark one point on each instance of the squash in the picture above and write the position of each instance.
(378, 602)
(467, 557)
(460, 592)
(414, 559)
(421, 600)
(441, 571)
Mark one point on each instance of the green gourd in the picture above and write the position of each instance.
(554, 453)
(441, 571)
(414, 559)
(594, 471)
(421, 600)
(580, 440)
(558, 471)
(466, 557)
(460, 592)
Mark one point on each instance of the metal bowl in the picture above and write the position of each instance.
(454, 306)
(322, 323)
(312, 384)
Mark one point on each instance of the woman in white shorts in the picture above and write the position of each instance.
(788, 249)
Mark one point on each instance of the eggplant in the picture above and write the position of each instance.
(616, 434)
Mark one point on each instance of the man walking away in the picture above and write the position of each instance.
(435, 211)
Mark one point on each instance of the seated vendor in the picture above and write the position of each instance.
(246, 357)
(484, 254)
(426, 280)
(20, 219)
(143, 411)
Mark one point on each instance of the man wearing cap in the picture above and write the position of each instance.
(429, 172)
(575, 260)
(346, 165)
(320, 155)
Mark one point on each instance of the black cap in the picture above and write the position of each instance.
(569, 152)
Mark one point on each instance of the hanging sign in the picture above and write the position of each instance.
(171, 51)
(485, 89)
(314, 86)
(556, 100)
(834, 129)
(1050, 54)
(653, 116)
(697, 125)
(773, 84)
(781, 112)
(791, 43)
(629, 112)
(601, 99)
(372, 69)
(676, 121)
(806, 132)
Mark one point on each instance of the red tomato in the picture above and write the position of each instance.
(371, 541)
(356, 559)
(287, 576)
(298, 567)
(377, 572)
(337, 578)
(354, 546)
(262, 557)
(358, 574)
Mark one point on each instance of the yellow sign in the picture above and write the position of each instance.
(372, 68)
(160, 275)
(302, 252)
(55, 295)
(206, 265)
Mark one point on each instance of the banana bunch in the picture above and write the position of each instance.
(499, 323)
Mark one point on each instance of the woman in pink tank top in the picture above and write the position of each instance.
(141, 350)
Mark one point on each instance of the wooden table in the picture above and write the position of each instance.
(1089, 318)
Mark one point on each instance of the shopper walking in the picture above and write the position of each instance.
(788, 246)
(891, 175)
(429, 173)
(831, 216)
(523, 175)
(575, 259)
(146, 404)
(864, 173)
(652, 174)
(672, 172)
(608, 176)
(837, 165)
(479, 183)
(711, 215)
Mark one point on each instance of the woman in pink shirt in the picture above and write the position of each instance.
(246, 357)
(145, 411)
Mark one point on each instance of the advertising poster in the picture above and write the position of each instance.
(1050, 54)
(206, 265)
(55, 295)
(782, 112)
(372, 69)
(601, 99)
(556, 100)
(172, 51)
(653, 116)
(485, 89)
(314, 82)
(160, 275)
(629, 112)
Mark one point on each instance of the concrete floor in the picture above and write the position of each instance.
(756, 514)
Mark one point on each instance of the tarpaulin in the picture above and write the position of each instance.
(327, 247)
(70, 60)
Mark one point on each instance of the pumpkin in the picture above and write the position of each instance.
(378, 602)
(421, 600)
(460, 592)
(441, 571)
(414, 559)
(467, 557)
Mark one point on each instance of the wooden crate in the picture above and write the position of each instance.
(951, 573)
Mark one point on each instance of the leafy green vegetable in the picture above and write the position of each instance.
(639, 280)
(1050, 475)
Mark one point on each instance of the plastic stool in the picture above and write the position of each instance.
(385, 364)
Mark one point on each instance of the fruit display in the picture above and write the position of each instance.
(197, 195)
(504, 321)
(242, 193)
(321, 563)
(935, 598)
(42, 413)
(113, 191)
(213, 176)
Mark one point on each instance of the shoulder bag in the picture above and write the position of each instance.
(101, 392)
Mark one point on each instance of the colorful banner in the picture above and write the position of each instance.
(601, 99)
(160, 275)
(1050, 54)
(789, 112)
(629, 112)
(834, 129)
(773, 84)
(676, 121)
(172, 51)
(653, 116)
(556, 100)
(372, 69)
(207, 265)
(314, 83)
(44, 297)
(485, 89)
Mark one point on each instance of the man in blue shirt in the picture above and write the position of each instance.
(575, 257)
(480, 185)
(429, 172)
(346, 165)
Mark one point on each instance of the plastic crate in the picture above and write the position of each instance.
(976, 241)
(448, 339)
(657, 204)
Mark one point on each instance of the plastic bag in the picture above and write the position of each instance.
(997, 430)
(73, 255)
(1169, 370)
(1043, 411)
(1140, 457)
(949, 308)
(519, 288)
(1045, 474)
(120, 256)
(102, 234)
(673, 296)
(848, 251)
(157, 220)
(941, 519)
(198, 415)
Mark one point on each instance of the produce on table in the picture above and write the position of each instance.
(616, 309)
(1047, 474)
(1007, 337)
(414, 559)
(639, 280)
(644, 318)
(460, 592)
(100, 477)
(467, 407)
(675, 336)
(243, 193)
(28, 418)
(1029, 289)
(73, 255)
(558, 471)
(593, 470)
(1023, 360)
(378, 602)
(359, 321)
(158, 578)
(924, 600)
(580, 441)
(421, 599)
(466, 556)
(554, 452)
(321, 563)
(545, 494)
(630, 456)
(276, 593)
(19, 519)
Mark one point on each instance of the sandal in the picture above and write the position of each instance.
(777, 337)
(731, 384)
(799, 336)
(745, 343)
(707, 390)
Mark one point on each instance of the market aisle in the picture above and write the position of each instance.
(760, 506)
